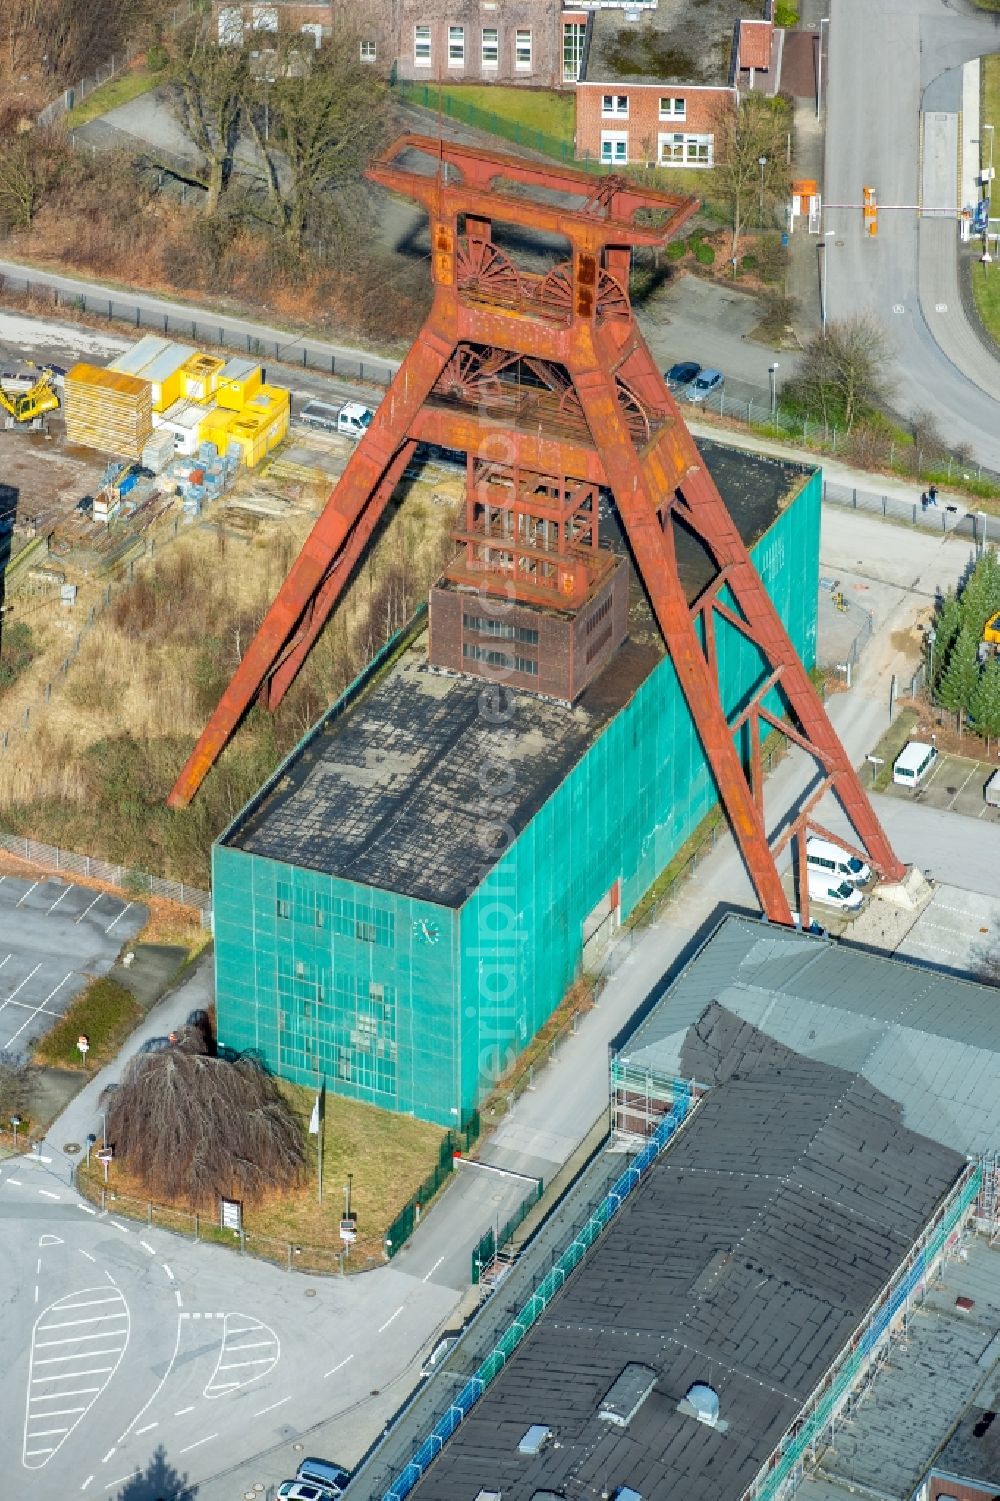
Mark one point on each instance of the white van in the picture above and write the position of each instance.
(830, 860)
(913, 763)
(831, 892)
(354, 419)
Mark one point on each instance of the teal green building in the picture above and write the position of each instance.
(407, 899)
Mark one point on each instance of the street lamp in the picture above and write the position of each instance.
(824, 21)
(821, 250)
(104, 1127)
(15, 1121)
(772, 371)
(762, 163)
(990, 168)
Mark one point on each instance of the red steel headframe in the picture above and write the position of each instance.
(629, 437)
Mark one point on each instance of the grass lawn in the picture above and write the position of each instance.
(116, 91)
(388, 1155)
(545, 110)
(986, 291)
(105, 1012)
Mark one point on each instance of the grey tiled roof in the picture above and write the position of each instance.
(745, 1260)
(927, 1040)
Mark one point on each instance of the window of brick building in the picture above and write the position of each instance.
(367, 52)
(574, 34)
(615, 104)
(614, 147)
(673, 107)
(522, 51)
(491, 47)
(456, 46)
(682, 150)
(422, 46)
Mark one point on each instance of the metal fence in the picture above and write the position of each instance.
(117, 63)
(311, 354)
(132, 882)
(408, 1218)
(978, 526)
(484, 1252)
(440, 101)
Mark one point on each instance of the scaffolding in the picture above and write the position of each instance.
(988, 1203)
(851, 1374)
(641, 1098)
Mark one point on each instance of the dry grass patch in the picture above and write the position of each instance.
(105, 1013)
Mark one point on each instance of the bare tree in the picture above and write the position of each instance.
(209, 85)
(15, 1086)
(30, 162)
(326, 116)
(843, 374)
(196, 1127)
(751, 151)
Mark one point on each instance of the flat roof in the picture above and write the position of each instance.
(680, 42)
(929, 1040)
(745, 1261)
(389, 792)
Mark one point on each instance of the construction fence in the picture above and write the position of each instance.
(487, 1248)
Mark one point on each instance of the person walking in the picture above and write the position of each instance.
(932, 495)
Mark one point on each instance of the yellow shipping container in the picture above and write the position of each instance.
(239, 381)
(251, 438)
(200, 376)
(277, 428)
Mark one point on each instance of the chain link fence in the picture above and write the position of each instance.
(203, 329)
(979, 526)
(117, 63)
(132, 882)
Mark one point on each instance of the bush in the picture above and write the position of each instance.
(785, 14)
(106, 1013)
(704, 254)
(772, 258)
(677, 250)
(749, 263)
(157, 58)
(17, 652)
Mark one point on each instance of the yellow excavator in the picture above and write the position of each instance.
(25, 406)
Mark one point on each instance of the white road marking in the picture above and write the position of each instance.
(110, 1279)
(15, 1181)
(86, 1482)
(337, 1368)
(120, 1227)
(147, 1247)
(42, 1007)
(121, 1478)
(181, 1411)
(177, 1295)
(159, 1387)
(433, 1269)
(38, 1266)
(207, 1440)
(83, 914)
(168, 1271)
(263, 1410)
(389, 1320)
(36, 1292)
(27, 893)
(236, 1326)
(48, 1375)
(48, 1194)
(148, 1428)
(118, 918)
(87, 1254)
(87, 1209)
(107, 1457)
(61, 897)
(22, 984)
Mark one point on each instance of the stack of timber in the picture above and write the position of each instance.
(108, 410)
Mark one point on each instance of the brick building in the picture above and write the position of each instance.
(652, 84)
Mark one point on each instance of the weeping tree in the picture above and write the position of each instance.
(197, 1127)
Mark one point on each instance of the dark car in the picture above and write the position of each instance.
(323, 1472)
(155, 1045)
(680, 376)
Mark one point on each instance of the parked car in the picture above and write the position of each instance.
(830, 860)
(320, 414)
(305, 1490)
(828, 891)
(680, 376)
(707, 384)
(323, 1472)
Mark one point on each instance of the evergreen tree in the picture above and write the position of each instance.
(984, 706)
(960, 677)
(947, 625)
(981, 595)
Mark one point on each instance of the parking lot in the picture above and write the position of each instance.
(54, 937)
(956, 785)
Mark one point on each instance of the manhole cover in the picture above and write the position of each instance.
(71, 1147)
(310, 1292)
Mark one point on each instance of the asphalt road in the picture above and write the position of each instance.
(53, 939)
(886, 63)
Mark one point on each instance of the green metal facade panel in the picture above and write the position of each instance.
(327, 978)
(418, 1008)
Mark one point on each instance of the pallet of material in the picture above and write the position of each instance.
(108, 410)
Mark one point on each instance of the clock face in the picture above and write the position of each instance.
(426, 930)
